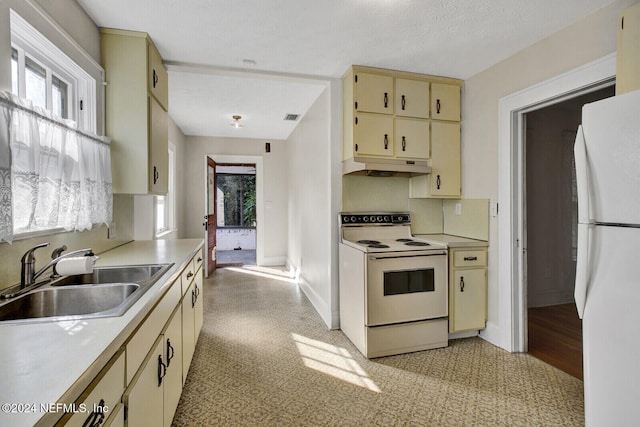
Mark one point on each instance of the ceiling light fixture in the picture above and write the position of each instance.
(236, 122)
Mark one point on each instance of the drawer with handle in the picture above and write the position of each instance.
(474, 258)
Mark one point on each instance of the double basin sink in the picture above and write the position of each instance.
(107, 292)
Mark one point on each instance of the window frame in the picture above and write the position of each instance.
(27, 41)
(81, 86)
(169, 200)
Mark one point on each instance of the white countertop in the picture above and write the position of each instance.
(453, 241)
(48, 362)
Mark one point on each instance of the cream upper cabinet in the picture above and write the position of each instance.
(373, 135)
(389, 117)
(136, 112)
(445, 102)
(628, 56)
(411, 139)
(373, 93)
(444, 180)
(412, 98)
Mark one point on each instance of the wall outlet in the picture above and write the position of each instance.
(458, 208)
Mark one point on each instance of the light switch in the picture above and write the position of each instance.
(458, 208)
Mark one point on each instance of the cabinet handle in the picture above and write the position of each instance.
(189, 275)
(155, 174)
(471, 258)
(438, 182)
(386, 141)
(162, 370)
(386, 100)
(404, 144)
(403, 102)
(199, 259)
(194, 298)
(197, 289)
(155, 79)
(437, 106)
(170, 352)
(356, 147)
(461, 283)
(95, 419)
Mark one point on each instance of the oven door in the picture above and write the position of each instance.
(403, 287)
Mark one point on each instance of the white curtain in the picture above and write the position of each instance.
(51, 175)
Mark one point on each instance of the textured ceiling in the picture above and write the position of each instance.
(322, 38)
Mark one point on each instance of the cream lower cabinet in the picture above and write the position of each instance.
(192, 319)
(153, 395)
(100, 403)
(467, 289)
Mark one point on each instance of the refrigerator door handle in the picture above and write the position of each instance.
(582, 267)
(582, 180)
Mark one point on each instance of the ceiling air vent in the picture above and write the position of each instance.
(292, 117)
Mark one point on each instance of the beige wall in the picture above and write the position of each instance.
(572, 47)
(275, 175)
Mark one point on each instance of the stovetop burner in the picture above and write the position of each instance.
(404, 240)
(368, 242)
(413, 243)
(378, 246)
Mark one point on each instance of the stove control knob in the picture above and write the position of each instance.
(372, 219)
(353, 219)
(366, 219)
(345, 219)
(379, 219)
(386, 219)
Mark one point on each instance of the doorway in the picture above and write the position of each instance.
(236, 220)
(550, 240)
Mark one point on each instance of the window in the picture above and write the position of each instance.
(45, 197)
(165, 205)
(239, 200)
(43, 74)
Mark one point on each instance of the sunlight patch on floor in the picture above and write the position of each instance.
(266, 272)
(334, 361)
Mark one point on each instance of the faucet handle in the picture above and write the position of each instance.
(58, 251)
(29, 257)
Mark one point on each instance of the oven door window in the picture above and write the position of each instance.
(408, 282)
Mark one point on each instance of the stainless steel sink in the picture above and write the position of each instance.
(69, 301)
(107, 292)
(118, 274)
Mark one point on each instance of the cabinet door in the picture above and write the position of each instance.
(628, 57)
(103, 395)
(411, 139)
(373, 135)
(469, 299)
(158, 80)
(445, 102)
(173, 356)
(159, 148)
(145, 398)
(412, 98)
(445, 160)
(373, 93)
(199, 306)
(188, 328)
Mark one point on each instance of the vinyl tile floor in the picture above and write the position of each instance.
(266, 358)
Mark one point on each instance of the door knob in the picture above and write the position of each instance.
(206, 225)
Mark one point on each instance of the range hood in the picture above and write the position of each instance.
(382, 167)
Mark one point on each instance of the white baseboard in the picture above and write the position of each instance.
(274, 261)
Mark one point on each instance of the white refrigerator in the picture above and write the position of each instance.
(607, 289)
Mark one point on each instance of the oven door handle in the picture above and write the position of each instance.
(374, 258)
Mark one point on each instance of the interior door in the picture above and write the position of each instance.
(211, 217)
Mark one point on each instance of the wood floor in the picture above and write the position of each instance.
(555, 336)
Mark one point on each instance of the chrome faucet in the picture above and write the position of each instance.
(29, 275)
(28, 261)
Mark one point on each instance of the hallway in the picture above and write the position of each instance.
(265, 358)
